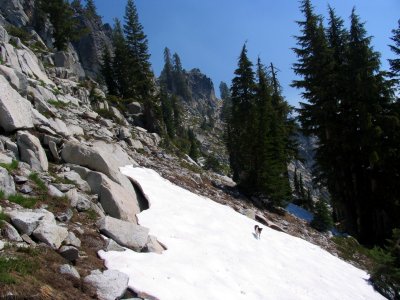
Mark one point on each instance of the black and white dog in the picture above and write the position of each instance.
(258, 230)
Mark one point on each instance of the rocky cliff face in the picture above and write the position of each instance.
(202, 91)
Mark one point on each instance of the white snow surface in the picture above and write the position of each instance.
(213, 254)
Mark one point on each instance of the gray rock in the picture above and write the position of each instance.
(135, 144)
(28, 240)
(77, 179)
(117, 114)
(6, 182)
(9, 232)
(27, 221)
(54, 151)
(116, 200)
(32, 151)
(11, 146)
(124, 133)
(135, 108)
(20, 179)
(50, 234)
(16, 79)
(64, 187)
(69, 271)
(72, 240)
(26, 189)
(250, 213)
(59, 126)
(153, 245)
(109, 285)
(127, 234)
(83, 203)
(112, 245)
(1, 245)
(54, 192)
(65, 216)
(5, 159)
(69, 253)
(15, 111)
(4, 37)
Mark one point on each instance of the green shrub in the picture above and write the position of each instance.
(39, 182)
(10, 266)
(385, 274)
(27, 202)
(2, 194)
(18, 32)
(10, 167)
(58, 104)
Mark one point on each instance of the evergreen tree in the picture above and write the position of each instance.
(395, 63)
(167, 76)
(121, 72)
(309, 203)
(240, 126)
(226, 100)
(177, 112)
(136, 41)
(180, 79)
(322, 220)
(194, 152)
(91, 10)
(107, 71)
(167, 111)
(296, 183)
(60, 14)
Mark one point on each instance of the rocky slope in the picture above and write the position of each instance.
(62, 196)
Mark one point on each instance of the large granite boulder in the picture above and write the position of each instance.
(126, 234)
(6, 182)
(15, 111)
(109, 285)
(31, 151)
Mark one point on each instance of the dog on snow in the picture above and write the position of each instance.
(258, 230)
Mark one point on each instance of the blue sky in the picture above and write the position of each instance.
(209, 34)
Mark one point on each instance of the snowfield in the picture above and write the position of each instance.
(213, 254)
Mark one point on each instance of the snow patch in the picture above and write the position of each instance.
(213, 254)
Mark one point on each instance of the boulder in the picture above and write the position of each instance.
(117, 114)
(65, 216)
(135, 108)
(69, 253)
(31, 151)
(135, 144)
(59, 126)
(50, 234)
(10, 233)
(112, 245)
(1, 245)
(124, 133)
(26, 189)
(72, 240)
(26, 221)
(4, 38)
(69, 271)
(102, 157)
(54, 151)
(15, 111)
(54, 192)
(153, 245)
(6, 182)
(116, 200)
(17, 80)
(127, 234)
(109, 285)
(77, 179)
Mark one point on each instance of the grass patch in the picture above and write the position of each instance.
(10, 167)
(190, 167)
(58, 104)
(18, 32)
(10, 267)
(105, 113)
(39, 182)
(350, 250)
(27, 202)
(92, 215)
(2, 195)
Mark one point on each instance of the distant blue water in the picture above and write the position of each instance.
(303, 214)
(299, 212)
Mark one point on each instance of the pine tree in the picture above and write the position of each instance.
(121, 72)
(107, 71)
(296, 183)
(91, 10)
(395, 63)
(194, 152)
(322, 220)
(167, 76)
(180, 79)
(65, 27)
(168, 116)
(136, 41)
(240, 125)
